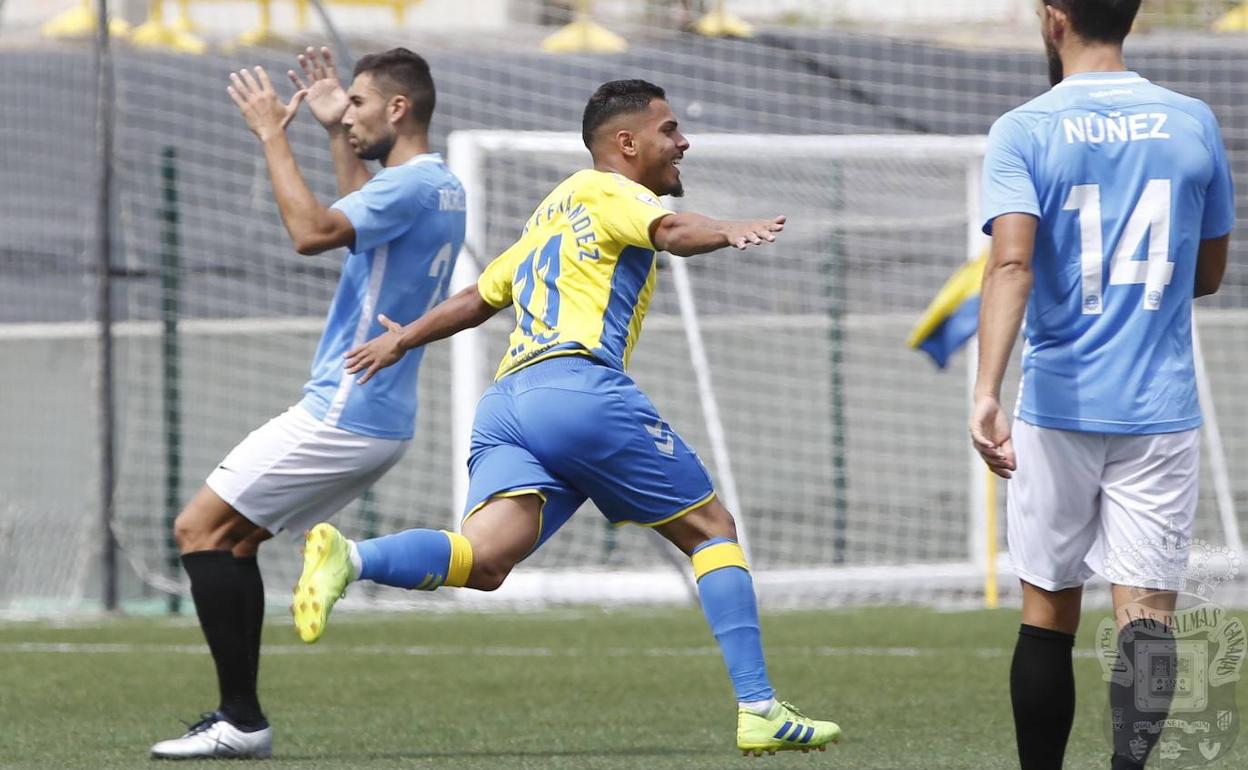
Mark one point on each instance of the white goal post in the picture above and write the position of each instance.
(469, 155)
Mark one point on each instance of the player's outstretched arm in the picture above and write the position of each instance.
(463, 311)
(1003, 300)
(328, 102)
(686, 234)
(313, 227)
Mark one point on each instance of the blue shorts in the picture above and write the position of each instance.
(569, 428)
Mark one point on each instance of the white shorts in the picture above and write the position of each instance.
(1118, 506)
(295, 471)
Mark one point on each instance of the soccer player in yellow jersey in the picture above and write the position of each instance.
(563, 422)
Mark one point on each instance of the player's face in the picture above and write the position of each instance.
(369, 131)
(660, 147)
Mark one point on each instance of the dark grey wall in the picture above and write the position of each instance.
(235, 252)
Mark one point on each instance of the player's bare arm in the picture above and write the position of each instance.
(1211, 265)
(328, 102)
(686, 234)
(1003, 300)
(462, 311)
(313, 228)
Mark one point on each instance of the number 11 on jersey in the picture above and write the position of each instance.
(544, 268)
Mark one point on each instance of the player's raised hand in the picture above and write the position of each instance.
(265, 113)
(742, 235)
(327, 99)
(376, 354)
(990, 435)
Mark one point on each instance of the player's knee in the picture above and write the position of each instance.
(489, 568)
(191, 535)
(200, 527)
(249, 547)
(488, 574)
(187, 532)
(700, 525)
(726, 524)
(714, 520)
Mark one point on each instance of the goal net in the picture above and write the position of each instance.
(842, 452)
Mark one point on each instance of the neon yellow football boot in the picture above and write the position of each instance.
(326, 572)
(784, 729)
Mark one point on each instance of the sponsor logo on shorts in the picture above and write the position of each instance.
(664, 440)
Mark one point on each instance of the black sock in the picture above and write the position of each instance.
(252, 585)
(1042, 689)
(1122, 763)
(1136, 730)
(218, 594)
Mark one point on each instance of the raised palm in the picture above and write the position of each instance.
(326, 97)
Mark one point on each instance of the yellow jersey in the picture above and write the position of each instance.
(581, 275)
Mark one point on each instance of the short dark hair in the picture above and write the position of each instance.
(1100, 21)
(406, 73)
(617, 97)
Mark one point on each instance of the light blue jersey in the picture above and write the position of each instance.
(1126, 179)
(409, 226)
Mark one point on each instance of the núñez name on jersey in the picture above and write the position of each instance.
(1115, 127)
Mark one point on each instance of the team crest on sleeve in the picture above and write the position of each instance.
(1182, 685)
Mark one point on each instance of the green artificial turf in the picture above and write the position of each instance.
(580, 688)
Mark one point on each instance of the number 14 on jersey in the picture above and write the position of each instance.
(1151, 217)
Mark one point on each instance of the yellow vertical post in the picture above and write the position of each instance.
(266, 16)
(80, 21)
(991, 600)
(154, 33)
(1235, 20)
(263, 32)
(184, 24)
(584, 35)
(301, 13)
(720, 23)
(400, 12)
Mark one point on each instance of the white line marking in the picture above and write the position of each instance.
(121, 648)
(236, 328)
